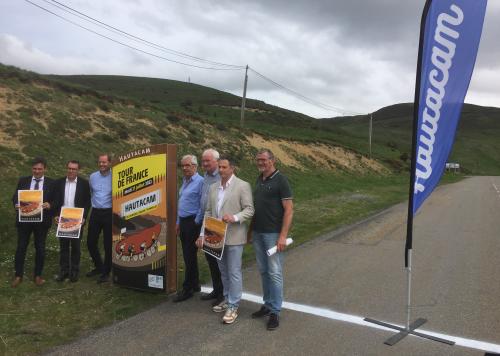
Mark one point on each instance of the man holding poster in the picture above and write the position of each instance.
(38, 182)
(209, 162)
(230, 201)
(71, 191)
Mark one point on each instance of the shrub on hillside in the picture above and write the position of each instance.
(220, 126)
(187, 104)
(392, 145)
(404, 156)
(103, 106)
(103, 137)
(123, 134)
(40, 96)
(162, 133)
(173, 118)
(395, 164)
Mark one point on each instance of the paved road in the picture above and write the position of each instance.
(358, 272)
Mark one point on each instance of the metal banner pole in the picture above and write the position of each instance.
(408, 285)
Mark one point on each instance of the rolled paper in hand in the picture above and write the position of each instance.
(273, 249)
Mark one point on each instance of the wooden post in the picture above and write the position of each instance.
(171, 265)
(243, 99)
(370, 135)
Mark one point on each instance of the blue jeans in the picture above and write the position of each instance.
(230, 272)
(271, 270)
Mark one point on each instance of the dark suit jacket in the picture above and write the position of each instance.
(82, 195)
(24, 183)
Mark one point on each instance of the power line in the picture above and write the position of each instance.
(304, 98)
(213, 65)
(127, 45)
(118, 31)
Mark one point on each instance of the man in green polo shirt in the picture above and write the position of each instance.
(272, 220)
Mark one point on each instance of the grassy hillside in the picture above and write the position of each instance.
(475, 147)
(77, 117)
(476, 144)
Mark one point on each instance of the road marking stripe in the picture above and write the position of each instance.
(354, 319)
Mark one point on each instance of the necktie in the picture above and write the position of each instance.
(37, 183)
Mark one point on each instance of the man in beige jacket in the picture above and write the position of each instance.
(232, 202)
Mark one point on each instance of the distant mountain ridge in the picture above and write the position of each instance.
(476, 147)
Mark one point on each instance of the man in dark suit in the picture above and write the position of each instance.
(74, 192)
(37, 181)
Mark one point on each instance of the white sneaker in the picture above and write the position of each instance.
(219, 308)
(230, 315)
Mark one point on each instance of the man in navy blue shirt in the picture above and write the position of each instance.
(187, 228)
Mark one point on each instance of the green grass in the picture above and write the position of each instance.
(36, 318)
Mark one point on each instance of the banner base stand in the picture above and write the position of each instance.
(403, 332)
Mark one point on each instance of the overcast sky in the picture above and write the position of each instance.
(356, 55)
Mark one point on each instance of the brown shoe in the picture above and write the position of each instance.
(17, 281)
(39, 281)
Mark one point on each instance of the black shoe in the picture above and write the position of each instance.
(94, 272)
(103, 278)
(197, 289)
(73, 278)
(218, 300)
(61, 277)
(263, 311)
(212, 295)
(273, 322)
(182, 296)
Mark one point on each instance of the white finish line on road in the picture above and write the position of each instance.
(358, 320)
(496, 188)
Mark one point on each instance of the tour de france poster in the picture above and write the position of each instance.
(140, 219)
(214, 236)
(30, 205)
(70, 222)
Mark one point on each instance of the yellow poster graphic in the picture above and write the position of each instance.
(30, 205)
(70, 222)
(214, 236)
(139, 221)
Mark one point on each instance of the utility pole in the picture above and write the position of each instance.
(243, 99)
(370, 136)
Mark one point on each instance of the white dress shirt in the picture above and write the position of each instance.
(33, 183)
(220, 196)
(69, 193)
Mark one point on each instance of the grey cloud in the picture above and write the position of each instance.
(356, 54)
